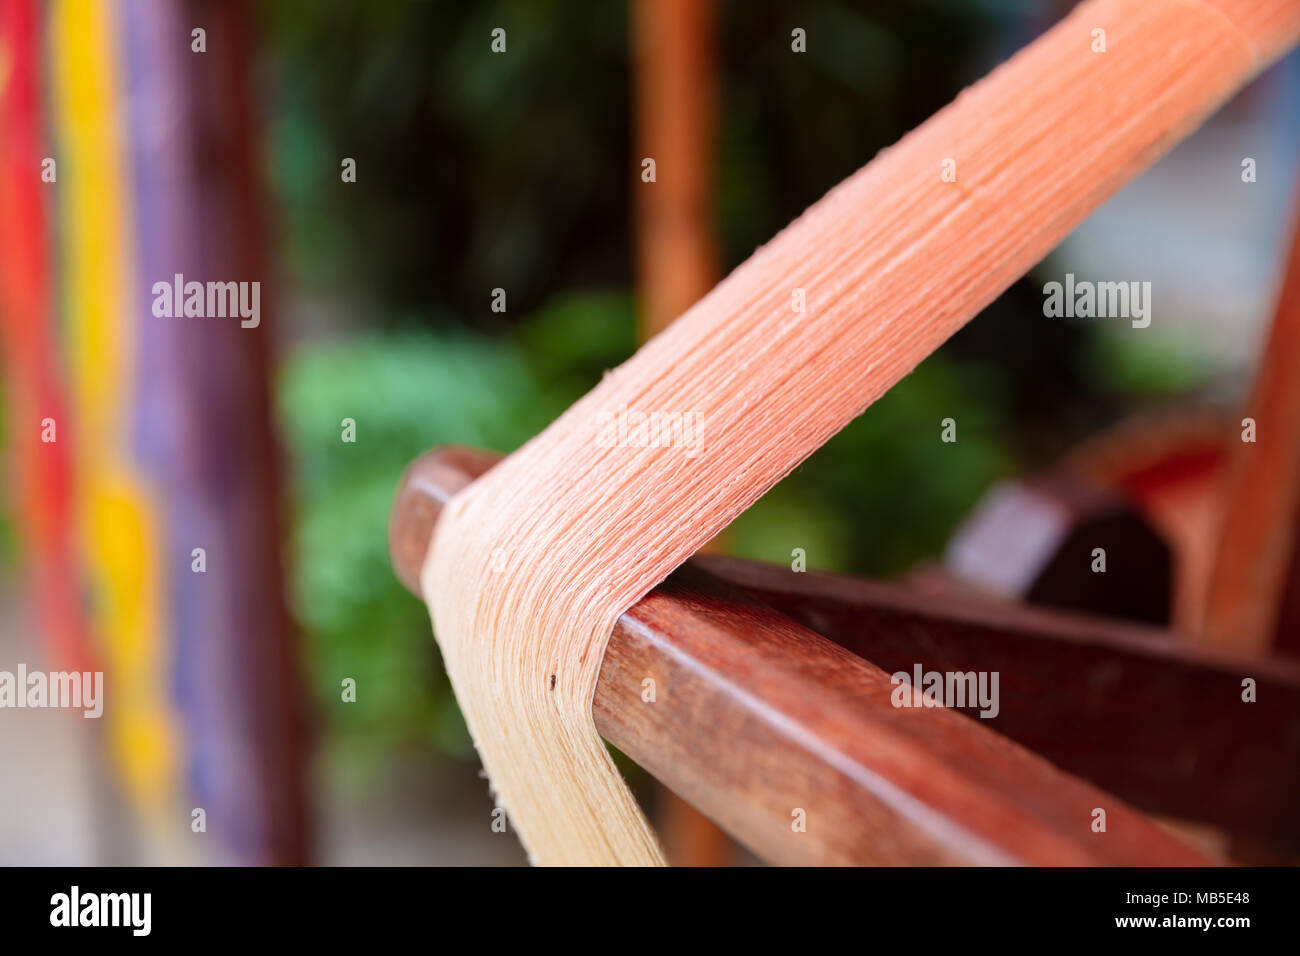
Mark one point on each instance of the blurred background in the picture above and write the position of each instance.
(224, 155)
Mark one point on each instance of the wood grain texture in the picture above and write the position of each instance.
(755, 717)
(1133, 709)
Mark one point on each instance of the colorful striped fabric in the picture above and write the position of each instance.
(164, 442)
(118, 506)
(39, 437)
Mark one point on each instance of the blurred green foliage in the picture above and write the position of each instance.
(1134, 367)
(405, 392)
(474, 170)
(478, 170)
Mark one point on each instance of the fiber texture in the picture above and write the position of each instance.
(532, 565)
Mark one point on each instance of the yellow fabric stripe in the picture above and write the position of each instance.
(120, 525)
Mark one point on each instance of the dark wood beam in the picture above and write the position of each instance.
(1135, 710)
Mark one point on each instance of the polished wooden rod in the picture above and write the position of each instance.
(793, 744)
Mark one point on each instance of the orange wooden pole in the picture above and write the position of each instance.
(1257, 566)
(676, 114)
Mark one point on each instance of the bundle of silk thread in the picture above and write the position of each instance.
(531, 566)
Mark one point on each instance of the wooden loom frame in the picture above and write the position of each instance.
(773, 691)
(773, 685)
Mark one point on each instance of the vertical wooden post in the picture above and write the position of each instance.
(1254, 596)
(675, 120)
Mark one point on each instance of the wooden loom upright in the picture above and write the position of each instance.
(779, 695)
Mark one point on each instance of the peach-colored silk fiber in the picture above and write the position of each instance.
(532, 565)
